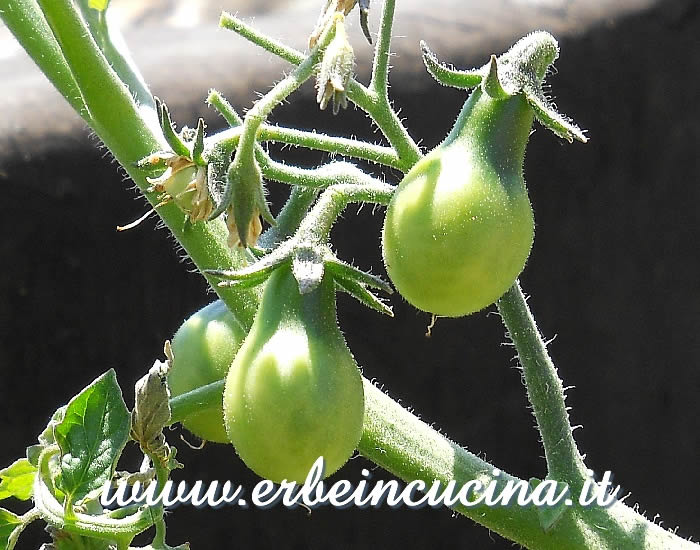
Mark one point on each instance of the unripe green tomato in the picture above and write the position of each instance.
(203, 350)
(459, 228)
(294, 392)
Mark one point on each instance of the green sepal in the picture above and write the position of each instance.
(166, 125)
(521, 69)
(364, 296)
(198, 145)
(548, 116)
(491, 85)
(446, 75)
(343, 271)
(255, 273)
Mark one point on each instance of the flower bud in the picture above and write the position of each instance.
(336, 69)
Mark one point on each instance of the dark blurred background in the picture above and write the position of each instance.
(613, 273)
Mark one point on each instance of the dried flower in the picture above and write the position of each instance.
(336, 69)
(184, 183)
(254, 229)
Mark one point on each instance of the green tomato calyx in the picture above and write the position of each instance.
(521, 70)
(310, 262)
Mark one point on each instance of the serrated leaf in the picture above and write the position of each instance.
(91, 437)
(17, 480)
(9, 523)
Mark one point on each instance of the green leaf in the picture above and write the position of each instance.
(91, 437)
(9, 524)
(17, 480)
(99, 5)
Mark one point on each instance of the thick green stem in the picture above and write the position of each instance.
(128, 136)
(26, 21)
(112, 108)
(399, 442)
(544, 389)
(109, 38)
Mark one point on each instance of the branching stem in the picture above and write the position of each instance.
(379, 110)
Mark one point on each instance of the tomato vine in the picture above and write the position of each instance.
(191, 179)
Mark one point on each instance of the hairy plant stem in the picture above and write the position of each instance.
(379, 82)
(378, 109)
(544, 390)
(377, 154)
(219, 149)
(247, 143)
(289, 218)
(317, 225)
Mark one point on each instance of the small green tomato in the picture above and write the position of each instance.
(294, 391)
(203, 350)
(460, 226)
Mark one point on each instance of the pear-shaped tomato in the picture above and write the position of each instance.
(203, 350)
(294, 391)
(460, 226)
